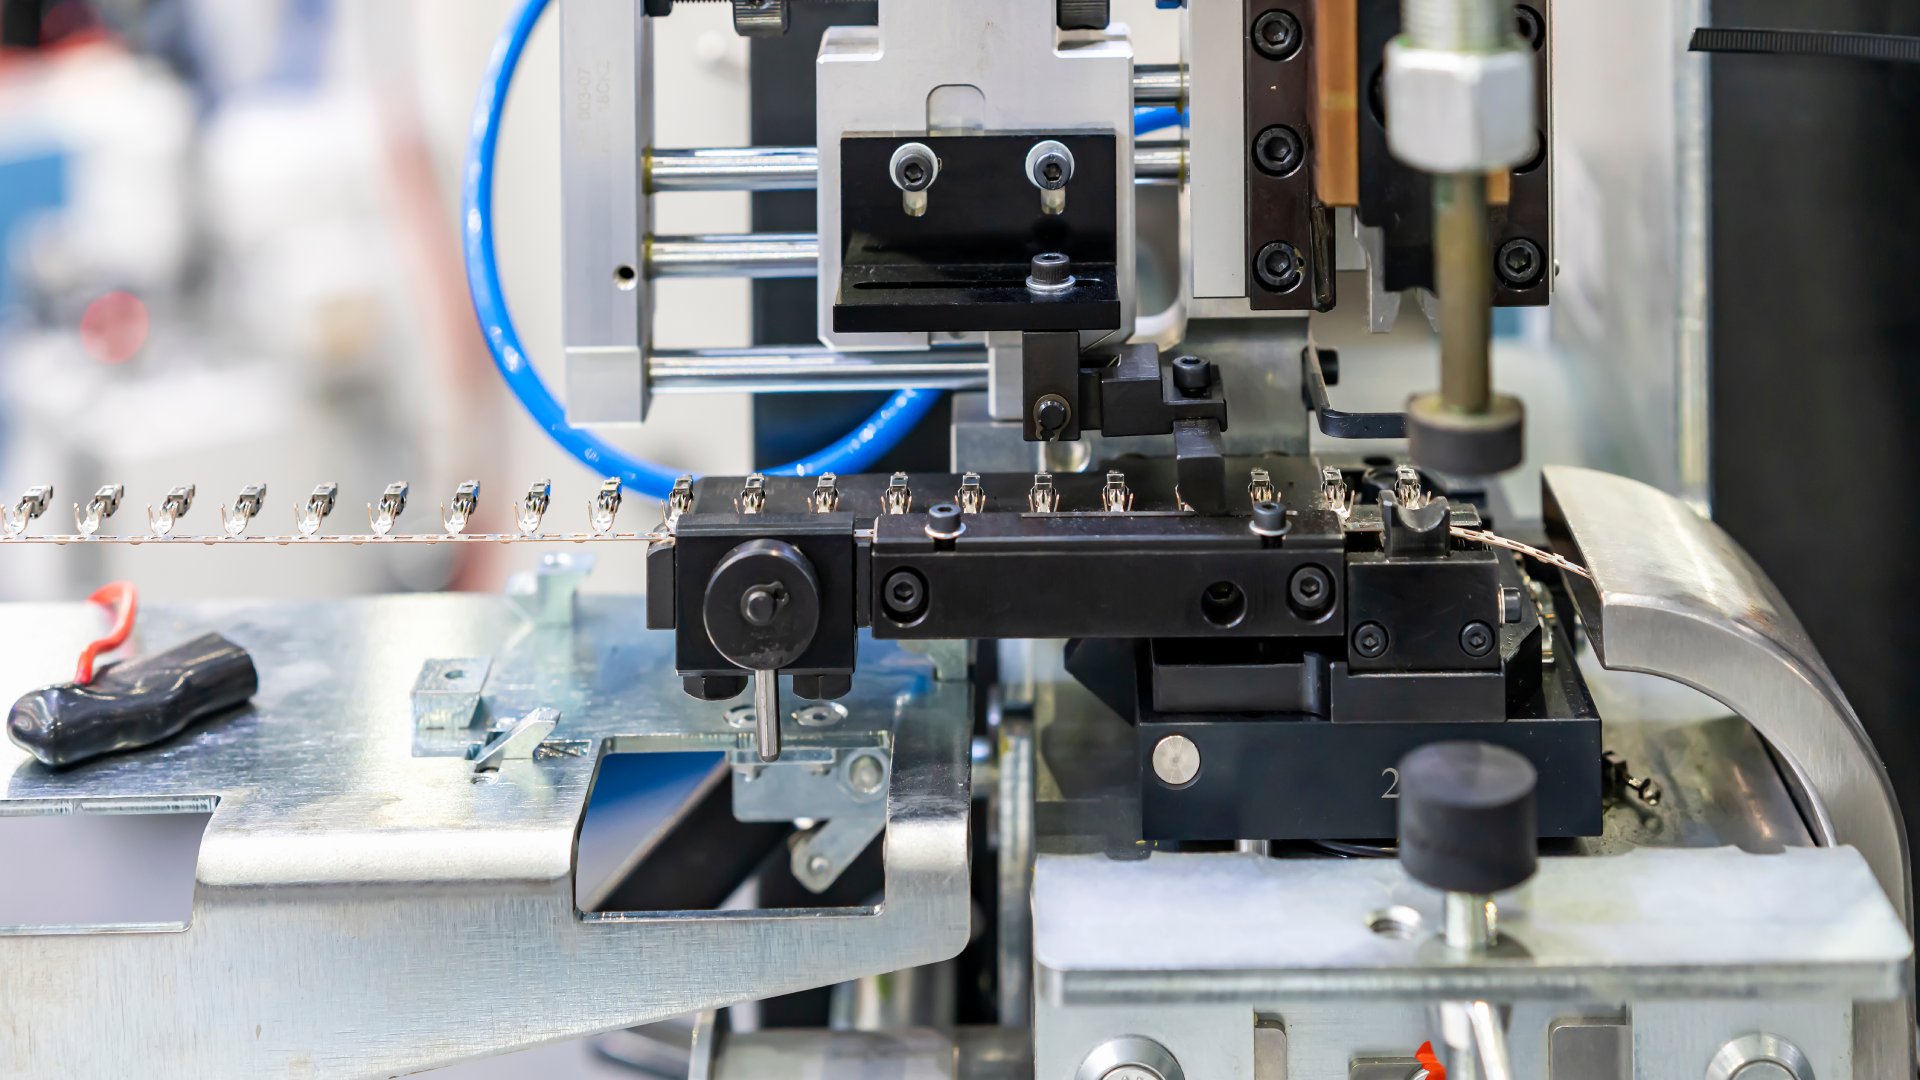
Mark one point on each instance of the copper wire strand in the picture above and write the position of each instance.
(1482, 536)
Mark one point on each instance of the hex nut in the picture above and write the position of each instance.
(1455, 112)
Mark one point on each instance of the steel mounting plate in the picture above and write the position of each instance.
(363, 908)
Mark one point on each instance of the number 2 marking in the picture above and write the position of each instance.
(1393, 783)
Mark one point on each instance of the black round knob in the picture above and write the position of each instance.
(1467, 818)
(1050, 414)
(1192, 376)
(762, 605)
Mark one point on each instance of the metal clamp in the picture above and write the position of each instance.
(1334, 423)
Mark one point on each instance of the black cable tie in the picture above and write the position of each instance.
(1896, 48)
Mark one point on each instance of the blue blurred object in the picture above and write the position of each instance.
(1149, 120)
(31, 183)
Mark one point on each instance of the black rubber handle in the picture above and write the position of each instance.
(133, 704)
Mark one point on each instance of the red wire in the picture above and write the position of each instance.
(124, 600)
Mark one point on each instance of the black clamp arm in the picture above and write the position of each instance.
(1318, 370)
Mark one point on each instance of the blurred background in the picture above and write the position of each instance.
(229, 255)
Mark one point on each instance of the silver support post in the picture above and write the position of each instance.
(749, 255)
(797, 168)
(606, 53)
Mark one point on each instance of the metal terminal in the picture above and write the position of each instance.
(533, 507)
(605, 506)
(914, 168)
(1116, 497)
(1619, 780)
(680, 499)
(898, 498)
(252, 497)
(1043, 497)
(393, 503)
(172, 509)
(1334, 490)
(31, 505)
(1406, 487)
(307, 518)
(466, 500)
(972, 497)
(1050, 167)
(515, 740)
(105, 501)
(753, 495)
(1260, 487)
(825, 497)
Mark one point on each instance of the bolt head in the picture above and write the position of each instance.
(1269, 518)
(1279, 151)
(1310, 592)
(1278, 267)
(1520, 263)
(1370, 641)
(1050, 268)
(1477, 639)
(866, 775)
(1277, 35)
(1192, 376)
(1176, 761)
(903, 595)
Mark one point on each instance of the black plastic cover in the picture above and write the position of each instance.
(135, 703)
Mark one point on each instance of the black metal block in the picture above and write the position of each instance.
(1423, 606)
(826, 540)
(964, 263)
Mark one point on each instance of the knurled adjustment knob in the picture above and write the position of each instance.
(1468, 823)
